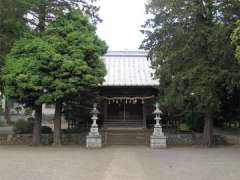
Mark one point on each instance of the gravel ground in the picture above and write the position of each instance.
(119, 163)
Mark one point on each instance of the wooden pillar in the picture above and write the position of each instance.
(124, 112)
(144, 115)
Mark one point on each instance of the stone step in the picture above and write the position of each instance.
(126, 138)
(123, 124)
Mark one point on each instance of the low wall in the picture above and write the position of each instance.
(231, 139)
(46, 139)
(70, 139)
(191, 139)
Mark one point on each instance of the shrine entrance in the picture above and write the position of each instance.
(123, 114)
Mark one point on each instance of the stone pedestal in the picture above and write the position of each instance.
(158, 139)
(158, 142)
(94, 141)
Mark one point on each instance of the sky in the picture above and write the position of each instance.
(122, 20)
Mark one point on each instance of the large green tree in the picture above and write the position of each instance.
(192, 54)
(19, 16)
(12, 27)
(24, 76)
(75, 39)
(52, 68)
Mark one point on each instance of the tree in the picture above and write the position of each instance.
(42, 12)
(23, 75)
(37, 14)
(76, 111)
(235, 37)
(53, 68)
(80, 67)
(12, 26)
(192, 54)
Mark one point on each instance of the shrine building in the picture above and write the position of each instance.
(129, 91)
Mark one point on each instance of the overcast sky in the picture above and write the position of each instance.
(122, 20)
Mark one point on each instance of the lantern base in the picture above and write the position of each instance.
(158, 142)
(94, 141)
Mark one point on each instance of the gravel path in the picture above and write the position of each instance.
(119, 162)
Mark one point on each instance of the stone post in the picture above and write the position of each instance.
(158, 139)
(94, 138)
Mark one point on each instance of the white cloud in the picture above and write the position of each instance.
(122, 20)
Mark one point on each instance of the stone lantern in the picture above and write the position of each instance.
(94, 138)
(158, 139)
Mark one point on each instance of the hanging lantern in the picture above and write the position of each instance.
(142, 101)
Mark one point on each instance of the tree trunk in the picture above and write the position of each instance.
(57, 124)
(36, 135)
(7, 115)
(208, 130)
(42, 17)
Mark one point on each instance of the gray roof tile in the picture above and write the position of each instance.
(128, 68)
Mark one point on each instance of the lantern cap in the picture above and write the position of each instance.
(157, 110)
(94, 110)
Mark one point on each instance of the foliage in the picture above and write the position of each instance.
(43, 12)
(235, 37)
(60, 64)
(11, 22)
(79, 66)
(12, 26)
(22, 72)
(26, 127)
(23, 127)
(78, 107)
(184, 127)
(192, 53)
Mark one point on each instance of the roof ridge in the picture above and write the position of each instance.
(127, 53)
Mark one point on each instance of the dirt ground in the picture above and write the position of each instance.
(119, 163)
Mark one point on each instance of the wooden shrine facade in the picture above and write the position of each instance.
(129, 92)
(127, 107)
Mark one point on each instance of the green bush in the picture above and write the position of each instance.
(26, 127)
(184, 127)
(23, 127)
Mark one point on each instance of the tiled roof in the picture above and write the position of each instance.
(128, 68)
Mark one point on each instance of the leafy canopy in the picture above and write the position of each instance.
(12, 23)
(193, 57)
(43, 12)
(75, 39)
(60, 63)
(23, 73)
